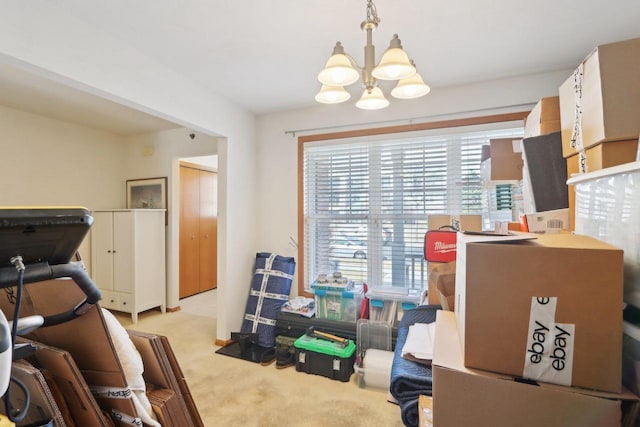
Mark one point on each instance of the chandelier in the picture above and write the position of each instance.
(342, 70)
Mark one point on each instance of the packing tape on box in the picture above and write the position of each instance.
(377, 368)
(576, 134)
(550, 345)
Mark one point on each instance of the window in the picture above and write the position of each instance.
(366, 200)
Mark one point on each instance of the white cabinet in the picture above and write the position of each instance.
(128, 259)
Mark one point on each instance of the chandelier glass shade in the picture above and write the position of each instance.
(372, 100)
(411, 87)
(332, 95)
(342, 70)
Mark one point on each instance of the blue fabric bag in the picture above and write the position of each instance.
(270, 289)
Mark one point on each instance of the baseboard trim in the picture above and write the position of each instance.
(173, 309)
(222, 343)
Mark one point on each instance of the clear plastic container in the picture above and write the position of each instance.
(373, 337)
(388, 303)
(341, 305)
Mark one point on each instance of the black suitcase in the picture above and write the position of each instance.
(294, 325)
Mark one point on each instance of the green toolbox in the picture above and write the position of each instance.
(329, 358)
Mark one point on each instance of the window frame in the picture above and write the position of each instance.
(399, 129)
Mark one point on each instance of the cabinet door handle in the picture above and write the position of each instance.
(193, 237)
(206, 236)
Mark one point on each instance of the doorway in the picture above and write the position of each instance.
(198, 228)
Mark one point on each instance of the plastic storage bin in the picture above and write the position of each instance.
(608, 208)
(323, 357)
(374, 355)
(631, 356)
(343, 305)
(388, 303)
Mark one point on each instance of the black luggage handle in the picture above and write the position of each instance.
(38, 272)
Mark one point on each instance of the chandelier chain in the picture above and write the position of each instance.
(372, 13)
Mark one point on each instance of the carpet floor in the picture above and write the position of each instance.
(234, 392)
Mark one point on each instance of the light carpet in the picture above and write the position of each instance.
(234, 392)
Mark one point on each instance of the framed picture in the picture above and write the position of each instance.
(147, 193)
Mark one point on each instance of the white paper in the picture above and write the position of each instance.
(419, 342)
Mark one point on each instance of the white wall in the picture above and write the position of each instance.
(49, 162)
(46, 162)
(277, 151)
(158, 154)
(42, 39)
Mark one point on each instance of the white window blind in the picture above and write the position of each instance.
(366, 203)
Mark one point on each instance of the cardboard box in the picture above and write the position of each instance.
(86, 339)
(461, 222)
(514, 295)
(546, 222)
(602, 156)
(471, 397)
(162, 370)
(544, 118)
(506, 159)
(167, 407)
(610, 102)
(442, 278)
(39, 403)
(65, 374)
(425, 411)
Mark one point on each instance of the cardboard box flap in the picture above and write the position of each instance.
(447, 352)
(182, 383)
(83, 407)
(42, 406)
(163, 370)
(86, 338)
(167, 408)
(488, 237)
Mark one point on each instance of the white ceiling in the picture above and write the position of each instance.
(265, 55)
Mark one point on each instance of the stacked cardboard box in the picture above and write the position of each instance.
(547, 308)
(473, 397)
(599, 110)
(544, 118)
(504, 162)
(544, 174)
(537, 324)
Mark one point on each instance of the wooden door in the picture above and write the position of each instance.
(208, 230)
(198, 230)
(189, 231)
